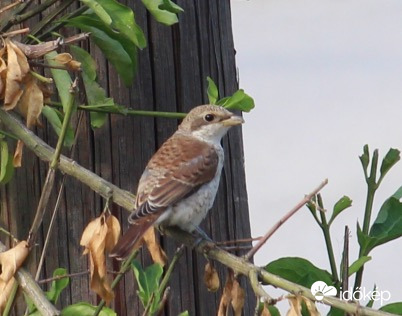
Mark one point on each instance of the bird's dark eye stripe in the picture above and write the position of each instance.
(209, 117)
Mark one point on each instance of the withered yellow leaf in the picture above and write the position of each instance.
(155, 249)
(91, 231)
(5, 291)
(22, 60)
(14, 76)
(67, 60)
(211, 278)
(17, 160)
(94, 240)
(237, 294)
(295, 305)
(30, 104)
(3, 71)
(226, 296)
(265, 311)
(12, 259)
(63, 58)
(113, 232)
(311, 307)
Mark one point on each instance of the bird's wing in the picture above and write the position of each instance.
(178, 168)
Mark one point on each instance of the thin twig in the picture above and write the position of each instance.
(288, 215)
(164, 299)
(114, 109)
(16, 32)
(238, 241)
(6, 232)
(179, 252)
(59, 277)
(257, 288)
(56, 207)
(47, 188)
(10, 6)
(236, 248)
(36, 64)
(124, 268)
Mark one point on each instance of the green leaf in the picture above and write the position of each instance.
(164, 11)
(6, 163)
(393, 308)
(343, 203)
(148, 282)
(390, 159)
(170, 6)
(185, 313)
(57, 285)
(61, 79)
(120, 18)
(365, 158)
(94, 92)
(238, 101)
(30, 305)
(212, 91)
(55, 119)
(85, 309)
(386, 227)
(355, 266)
(273, 310)
(118, 49)
(298, 270)
(335, 312)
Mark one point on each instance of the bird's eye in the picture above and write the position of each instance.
(209, 117)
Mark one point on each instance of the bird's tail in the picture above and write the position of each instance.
(133, 237)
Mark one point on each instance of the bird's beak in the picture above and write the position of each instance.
(233, 120)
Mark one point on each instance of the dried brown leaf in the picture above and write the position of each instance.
(31, 102)
(63, 58)
(94, 240)
(295, 305)
(22, 60)
(265, 311)
(5, 291)
(237, 294)
(156, 251)
(3, 72)
(311, 307)
(226, 296)
(113, 232)
(12, 259)
(17, 68)
(17, 160)
(67, 60)
(211, 278)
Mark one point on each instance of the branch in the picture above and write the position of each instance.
(242, 266)
(104, 188)
(288, 215)
(33, 291)
(208, 249)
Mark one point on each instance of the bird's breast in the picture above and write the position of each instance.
(190, 211)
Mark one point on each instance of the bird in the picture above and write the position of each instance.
(180, 182)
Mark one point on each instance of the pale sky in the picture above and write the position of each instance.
(326, 77)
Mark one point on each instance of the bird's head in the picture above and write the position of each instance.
(209, 122)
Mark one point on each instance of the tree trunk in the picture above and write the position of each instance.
(171, 76)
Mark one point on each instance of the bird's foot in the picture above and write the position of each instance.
(202, 236)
